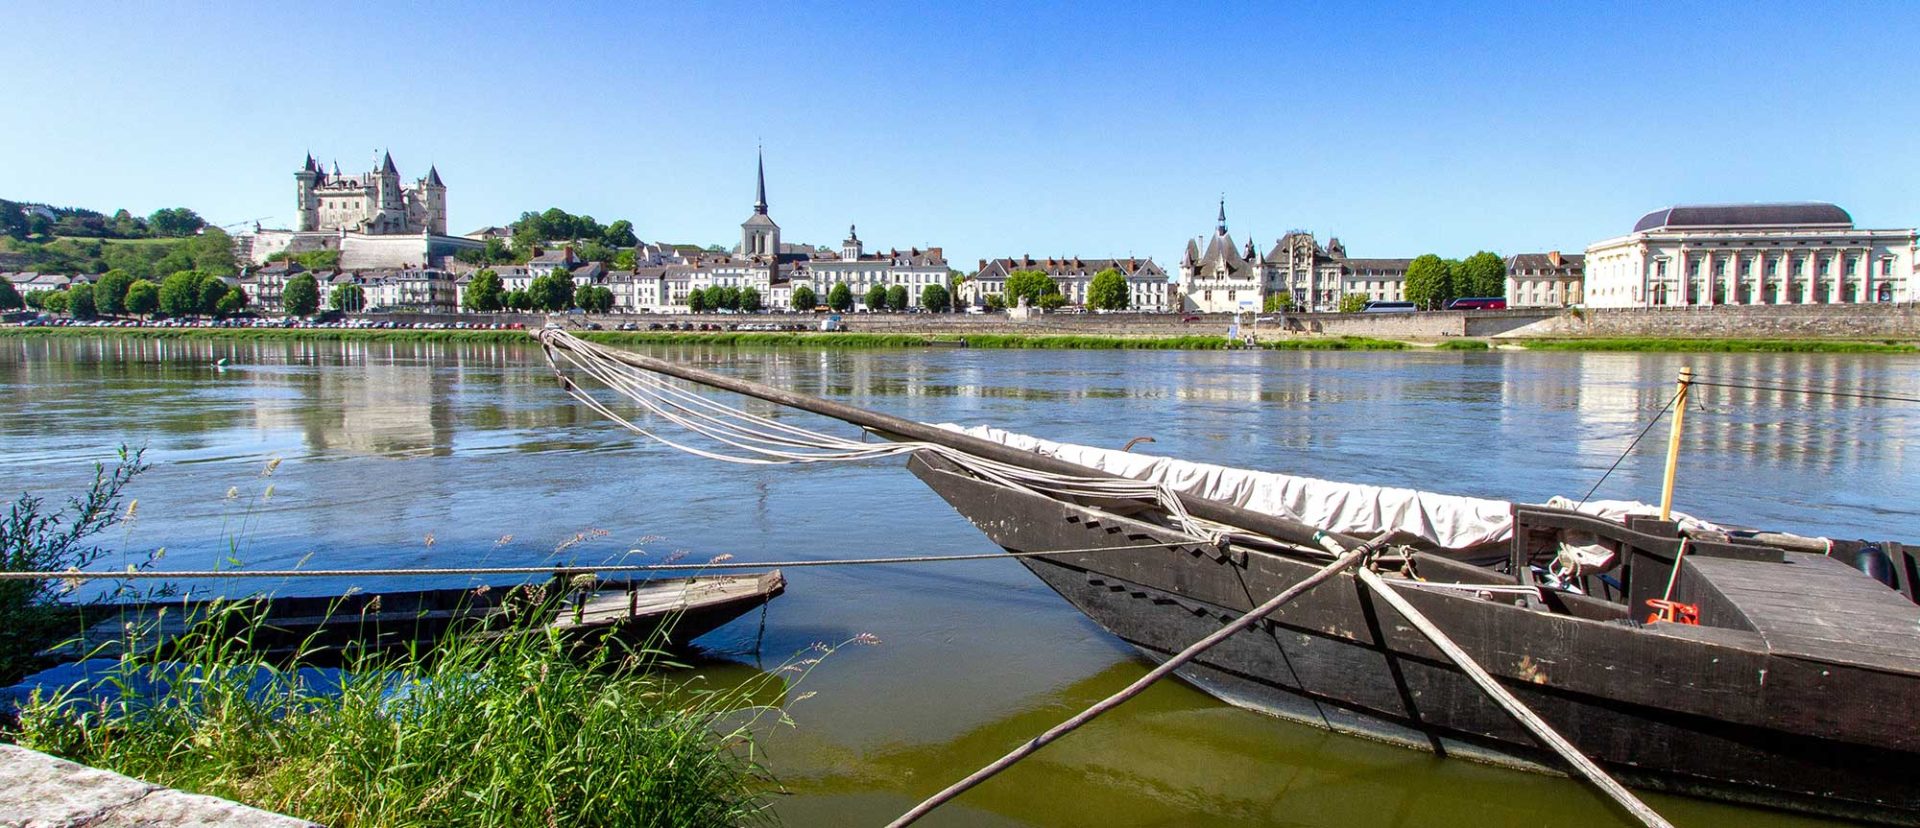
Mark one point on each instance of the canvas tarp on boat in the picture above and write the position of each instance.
(1447, 521)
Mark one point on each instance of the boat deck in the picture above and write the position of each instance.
(662, 597)
(1813, 607)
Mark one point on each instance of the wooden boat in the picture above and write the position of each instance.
(667, 613)
(1798, 687)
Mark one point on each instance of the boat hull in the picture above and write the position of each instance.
(1687, 715)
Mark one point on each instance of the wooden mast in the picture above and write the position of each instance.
(1673, 442)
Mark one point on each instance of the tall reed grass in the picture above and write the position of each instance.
(481, 729)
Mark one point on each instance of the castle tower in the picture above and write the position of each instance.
(306, 202)
(435, 193)
(759, 235)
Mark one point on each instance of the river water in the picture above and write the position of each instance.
(431, 454)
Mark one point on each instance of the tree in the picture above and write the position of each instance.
(110, 293)
(301, 296)
(1353, 302)
(484, 292)
(54, 301)
(996, 302)
(210, 290)
(9, 295)
(515, 299)
(1483, 274)
(840, 298)
(180, 294)
(696, 300)
(620, 234)
(897, 298)
(1051, 301)
(727, 298)
(551, 292)
(143, 297)
(624, 260)
(233, 302)
(750, 300)
(594, 299)
(877, 298)
(1108, 291)
(347, 298)
(175, 221)
(594, 251)
(935, 298)
(1277, 303)
(1029, 285)
(1427, 281)
(804, 298)
(80, 300)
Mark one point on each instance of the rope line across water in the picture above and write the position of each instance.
(545, 570)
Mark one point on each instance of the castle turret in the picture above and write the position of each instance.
(306, 201)
(434, 191)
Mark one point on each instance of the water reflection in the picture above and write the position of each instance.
(386, 444)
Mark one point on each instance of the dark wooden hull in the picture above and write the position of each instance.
(1695, 710)
(663, 613)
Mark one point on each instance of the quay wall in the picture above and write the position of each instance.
(1874, 321)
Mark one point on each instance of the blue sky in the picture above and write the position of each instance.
(1092, 130)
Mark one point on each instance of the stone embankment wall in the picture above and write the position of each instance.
(41, 790)
(1900, 322)
(1435, 325)
(1890, 321)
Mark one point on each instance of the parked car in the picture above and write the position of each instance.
(1390, 307)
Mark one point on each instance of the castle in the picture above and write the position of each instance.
(375, 203)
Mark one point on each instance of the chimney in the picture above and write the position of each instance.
(1554, 257)
(983, 265)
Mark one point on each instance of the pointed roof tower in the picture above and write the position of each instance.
(310, 167)
(760, 201)
(386, 165)
(433, 176)
(1222, 230)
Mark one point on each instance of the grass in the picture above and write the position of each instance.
(1463, 345)
(520, 729)
(734, 338)
(1656, 344)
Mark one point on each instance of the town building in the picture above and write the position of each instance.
(1545, 280)
(1750, 254)
(1217, 277)
(1147, 285)
(375, 219)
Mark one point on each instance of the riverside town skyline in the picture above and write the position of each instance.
(1454, 132)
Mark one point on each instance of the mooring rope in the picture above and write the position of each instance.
(196, 574)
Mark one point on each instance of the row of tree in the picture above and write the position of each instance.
(20, 221)
(185, 293)
(1432, 282)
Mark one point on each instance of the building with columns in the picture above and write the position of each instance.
(1750, 254)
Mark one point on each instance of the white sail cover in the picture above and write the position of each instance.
(1450, 521)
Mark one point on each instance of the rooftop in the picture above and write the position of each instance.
(1785, 214)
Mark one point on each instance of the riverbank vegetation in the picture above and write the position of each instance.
(729, 338)
(524, 728)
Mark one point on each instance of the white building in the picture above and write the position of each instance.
(1545, 280)
(1216, 277)
(1147, 285)
(1750, 254)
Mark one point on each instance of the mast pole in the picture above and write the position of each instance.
(1673, 442)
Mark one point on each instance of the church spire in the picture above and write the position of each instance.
(760, 203)
(1223, 215)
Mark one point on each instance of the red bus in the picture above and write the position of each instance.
(1482, 303)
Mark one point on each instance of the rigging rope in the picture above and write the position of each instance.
(1630, 446)
(1765, 385)
(760, 440)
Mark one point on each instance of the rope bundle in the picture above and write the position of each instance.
(758, 440)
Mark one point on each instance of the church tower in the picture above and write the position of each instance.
(306, 201)
(759, 236)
